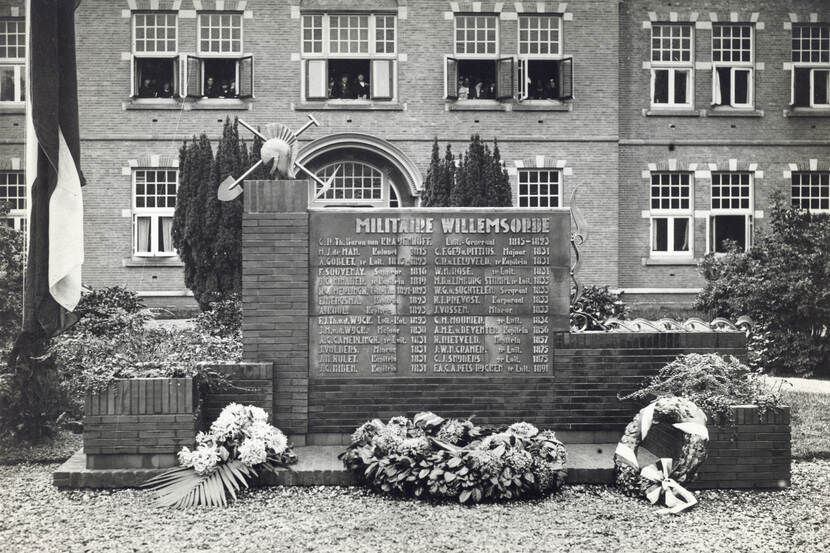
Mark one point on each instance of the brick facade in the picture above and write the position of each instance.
(602, 141)
(140, 423)
(753, 451)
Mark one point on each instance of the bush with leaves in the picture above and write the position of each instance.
(781, 284)
(226, 459)
(599, 304)
(110, 311)
(712, 382)
(11, 282)
(223, 318)
(429, 456)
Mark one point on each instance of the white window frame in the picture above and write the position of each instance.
(549, 170)
(17, 214)
(800, 198)
(524, 59)
(671, 214)
(339, 166)
(19, 68)
(475, 56)
(673, 67)
(156, 54)
(179, 71)
(813, 66)
(734, 67)
(372, 55)
(208, 54)
(746, 212)
(154, 214)
(326, 49)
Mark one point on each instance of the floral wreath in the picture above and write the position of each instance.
(660, 482)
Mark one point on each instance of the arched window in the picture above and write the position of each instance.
(355, 184)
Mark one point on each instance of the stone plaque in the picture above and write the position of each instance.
(437, 292)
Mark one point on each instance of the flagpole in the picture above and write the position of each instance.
(30, 146)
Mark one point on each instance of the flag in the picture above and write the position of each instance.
(53, 270)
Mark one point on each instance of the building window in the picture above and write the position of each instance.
(475, 71)
(811, 190)
(12, 60)
(539, 188)
(349, 57)
(672, 66)
(13, 196)
(220, 70)
(671, 214)
(731, 214)
(811, 66)
(155, 55)
(543, 73)
(155, 203)
(354, 183)
(733, 65)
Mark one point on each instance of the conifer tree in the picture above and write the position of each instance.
(447, 178)
(499, 191)
(434, 177)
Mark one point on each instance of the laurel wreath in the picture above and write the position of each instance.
(678, 412)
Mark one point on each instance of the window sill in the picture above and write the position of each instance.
(12, 108)
(476, 105)
(734, 112)
(668, 261)
(218, 104)
(152, 104)
(348, 105)
(136, 261)
(542, 105)
(671, 112)
(807, 112)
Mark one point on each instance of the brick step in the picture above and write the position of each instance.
(318, 465)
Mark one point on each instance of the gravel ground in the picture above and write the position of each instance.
(34, 516)
(56, 450)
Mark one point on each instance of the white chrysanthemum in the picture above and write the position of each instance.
(185, 457)
(366, 431)
(412, 447)
(523, 429)
(204, 459)
(388, 440)
(228, 424)
(257, 414)
(252, 452)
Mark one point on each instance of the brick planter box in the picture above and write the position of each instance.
(754, 452)
(140, 423)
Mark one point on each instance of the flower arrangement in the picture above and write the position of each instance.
(239, 443)
(430, 456)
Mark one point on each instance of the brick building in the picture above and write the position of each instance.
(670, 125)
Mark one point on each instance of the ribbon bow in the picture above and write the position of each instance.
(675, 497)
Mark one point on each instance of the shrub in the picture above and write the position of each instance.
(223, 318)
(11, 282)
(600, 304)
(712, 382)
(430, 456)
(89, 362)
(109, 312)
(781, 283)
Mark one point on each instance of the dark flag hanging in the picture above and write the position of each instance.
(56, 251)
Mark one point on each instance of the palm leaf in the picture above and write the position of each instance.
(182, 487)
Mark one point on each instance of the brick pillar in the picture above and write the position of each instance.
(275, 292)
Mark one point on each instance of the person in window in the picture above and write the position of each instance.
(146, 90)
(551, 90)
(211, 90)
(344, 89)
(331, 88)
(166, 91)
(477, 92)
(539, 91)
(232, 90)
(489, 92)
(225, 90)
(362, 87)
(463, 88)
